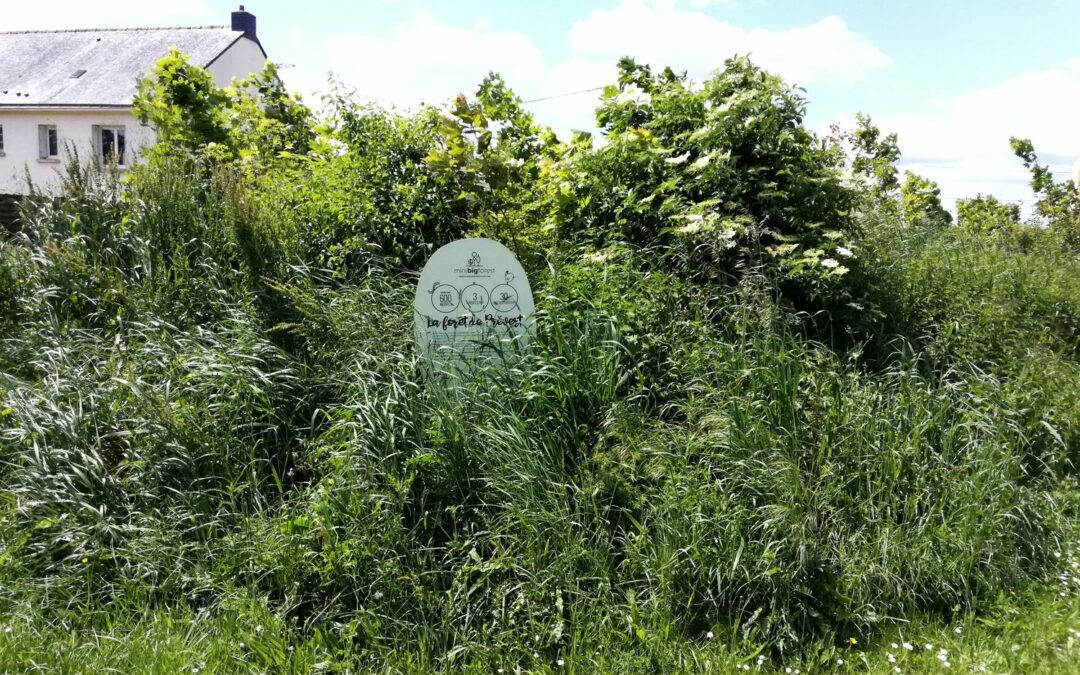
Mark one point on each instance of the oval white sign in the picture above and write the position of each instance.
(473, 303)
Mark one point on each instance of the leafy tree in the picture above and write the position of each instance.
(920, 200)
(366, 190)
(493, 152)
(718, 179)
(182, 104)
(1057, 204)
(987, 215)
(874, 162)
(254, 117)
(265, 119)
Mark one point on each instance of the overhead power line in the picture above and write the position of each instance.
(569, 93)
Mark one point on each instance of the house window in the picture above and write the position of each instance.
(109, 142)
(48, 145)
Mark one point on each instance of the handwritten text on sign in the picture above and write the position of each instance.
(473, 302)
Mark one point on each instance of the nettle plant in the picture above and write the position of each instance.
(720, 178)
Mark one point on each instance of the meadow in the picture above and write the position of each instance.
(781, 413)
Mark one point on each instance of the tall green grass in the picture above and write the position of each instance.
(202, 430)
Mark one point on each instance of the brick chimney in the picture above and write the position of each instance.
(244, 22)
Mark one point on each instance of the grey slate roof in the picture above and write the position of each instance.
(37, 67)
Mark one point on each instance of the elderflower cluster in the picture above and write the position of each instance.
(632, 94)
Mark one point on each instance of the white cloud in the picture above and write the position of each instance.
(60, 14)
(425, 59)
(962, 141)
(661, 34)
(575, 112)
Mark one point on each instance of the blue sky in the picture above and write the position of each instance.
(953, 78)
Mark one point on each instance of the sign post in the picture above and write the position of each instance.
(473, 306)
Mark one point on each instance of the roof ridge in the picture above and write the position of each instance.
(111, 30)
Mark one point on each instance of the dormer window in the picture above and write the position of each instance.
(109, 144)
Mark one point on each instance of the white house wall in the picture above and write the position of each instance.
(242, 58)
(74, 127)
(74, 133)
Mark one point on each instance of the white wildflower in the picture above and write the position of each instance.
(908, 646)
(845, 251)
(928, 646)
(560, 663)
(678, 159)
(889, 657)
(839, 662)
(337, 148)
(958, 630)
(709, 635)
(830, 263)
(631, 94)
(946, 664)
(788, 669)
(895, 646)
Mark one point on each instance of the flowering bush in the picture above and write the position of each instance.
(716, 180)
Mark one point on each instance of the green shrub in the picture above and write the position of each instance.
(369, 192)
(986, 215)
(716, 181)
(920, 200)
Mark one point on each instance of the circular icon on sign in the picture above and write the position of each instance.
(444, 298)
(474, 298)
(504, 298)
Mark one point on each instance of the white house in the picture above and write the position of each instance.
(63, 89)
